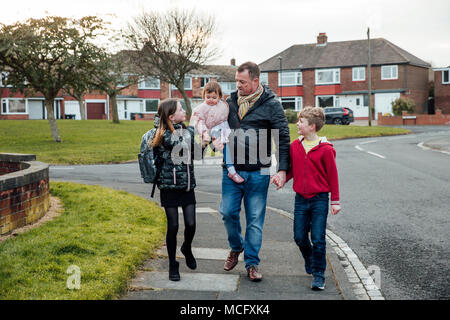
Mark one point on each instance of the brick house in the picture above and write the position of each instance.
(335, 74)
(442, 89)
(142, 99)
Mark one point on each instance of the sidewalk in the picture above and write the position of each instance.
(281, 264)
(441, 144)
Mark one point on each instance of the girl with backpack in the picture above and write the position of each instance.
(172, 143)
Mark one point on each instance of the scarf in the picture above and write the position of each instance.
(246, 102)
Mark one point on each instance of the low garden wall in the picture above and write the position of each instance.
(24, 190)
(407, 119)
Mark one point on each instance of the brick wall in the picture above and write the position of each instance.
(420, 119)
(441, 93)
(8, 167)
(24, 194)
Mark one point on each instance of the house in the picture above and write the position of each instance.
(442, 89)
(141, 99)
(335, 74)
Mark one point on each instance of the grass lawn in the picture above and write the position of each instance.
(100, 141)
(83, 142)
(337, 132)
(106, 233)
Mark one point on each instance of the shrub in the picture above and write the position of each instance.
(291, 116)
(387, 114)
(402, 104)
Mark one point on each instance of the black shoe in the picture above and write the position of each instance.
(190, 260)
(174, 274)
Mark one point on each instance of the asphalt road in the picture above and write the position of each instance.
(395, 200)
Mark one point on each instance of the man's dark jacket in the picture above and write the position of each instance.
(266, 113)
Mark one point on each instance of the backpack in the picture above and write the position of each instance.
(147, 159)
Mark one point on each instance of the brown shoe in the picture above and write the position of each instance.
(253, 274)
(232, 260)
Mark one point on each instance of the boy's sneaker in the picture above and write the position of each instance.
(318, 283)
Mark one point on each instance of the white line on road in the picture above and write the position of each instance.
(376, 154)
(421, 145)
(61, 168)
(366, 142)
(370, 152)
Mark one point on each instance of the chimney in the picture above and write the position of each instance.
(233, 62)
(322, 39)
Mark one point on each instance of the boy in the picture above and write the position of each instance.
(313, 168)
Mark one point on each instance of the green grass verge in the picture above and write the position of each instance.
(106, 233)
(337, 132)
(83, 142)
(100, 141)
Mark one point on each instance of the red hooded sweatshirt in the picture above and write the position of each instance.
(315, 171)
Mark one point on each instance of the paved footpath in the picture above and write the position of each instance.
(284, 277)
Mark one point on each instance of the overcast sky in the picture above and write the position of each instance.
(259, 29)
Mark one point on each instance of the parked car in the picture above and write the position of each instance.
(338, 115)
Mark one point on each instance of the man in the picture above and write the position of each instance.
(253, 108)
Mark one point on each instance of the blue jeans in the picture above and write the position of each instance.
(254, 191)
(311, 215)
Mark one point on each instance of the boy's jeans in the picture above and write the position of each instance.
(254, 191)
(311, 215)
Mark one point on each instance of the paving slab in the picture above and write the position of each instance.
(190, 281)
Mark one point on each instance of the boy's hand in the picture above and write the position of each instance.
(335, 208)
(275, 179)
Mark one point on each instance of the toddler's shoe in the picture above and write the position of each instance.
(235, 177)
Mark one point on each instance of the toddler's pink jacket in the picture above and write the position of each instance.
(204, 116)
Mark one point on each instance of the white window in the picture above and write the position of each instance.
(264, 78)
(151, 105)
(228, 87)
(328, 76)
(292, 103)
(187, 84)
(446, 76)
(327, 101)
(389, 72)
(149, 83)
(289, 78)
(358, 74)
(203, 81)
(14, 106)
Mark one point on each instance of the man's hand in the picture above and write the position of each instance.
(206, 137)
(335, 208)
(279, 179)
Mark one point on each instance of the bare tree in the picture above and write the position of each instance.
(42, 55)
(169, 45)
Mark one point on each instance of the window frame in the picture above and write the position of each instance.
(298, 78)
(6, 100)
(141, 84)
(335, 71)
(448, 76)
(392, 67)
(298, 100)
(336, 100)
(266, 78)
(358, 69)
(226, 84)
(144, 101)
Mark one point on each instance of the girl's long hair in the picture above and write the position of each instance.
(166, 108)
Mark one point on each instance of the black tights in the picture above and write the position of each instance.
(172, 228)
